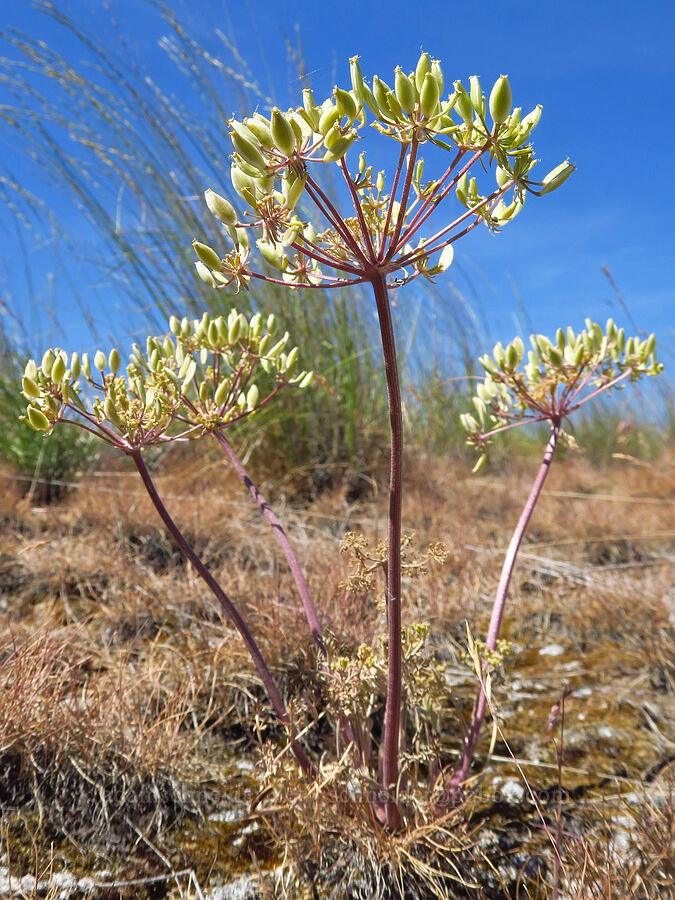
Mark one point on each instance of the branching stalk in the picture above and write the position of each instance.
(228, 607)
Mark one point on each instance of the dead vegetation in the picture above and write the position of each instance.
(130, 716)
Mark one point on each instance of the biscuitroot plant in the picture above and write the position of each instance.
(558, 378)
(205, 377)
(387, 236)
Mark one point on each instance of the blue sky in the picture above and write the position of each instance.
(604, 72)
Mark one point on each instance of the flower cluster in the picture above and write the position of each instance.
(205, 375)
(559, 376)
(271, 174)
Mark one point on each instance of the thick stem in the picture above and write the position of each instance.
(280, 534)
(392, 716)
(471, 739)
(228, 607)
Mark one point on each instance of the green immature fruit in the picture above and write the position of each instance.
(422, 69)
(380, 91)
(58, 369)
(259, 127)
(47, 363)
(252, 397)
(437, 72)
(282, 133)
(556, 177)
(100, 360)
(501, 100)
(204, 274)
(476, 94)
(345, 103)
(208, 256)
(248, 151)
(328, 118)
(30, 388)
(222, 391)
(114, 361)
(357, 78)
(405, 92)
(464, 106)
(429, 96)
(38, 420)
(220, 208)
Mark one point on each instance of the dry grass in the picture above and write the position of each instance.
(126, 702)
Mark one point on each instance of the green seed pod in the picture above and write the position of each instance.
(556, 177)
(328, 118)
(220, 208)
(462, 189)
(499, 355)
(479, 464)
(212, 334)
(437, 72)
(234, 330)
(30, 388)
(476, 94)
(501, 100)
(244, 185)
(252, 397)
(488, 364)
(519, 346)
(502, 176)
(650, 345)
(340, 147)
(555, 356)
(310, 107)
(292, 359)
(260, 129)
(86, 367)
(571, 337)
(511, 357)
(222, 391)
(371, 102)
(204, 274)
(37, 419)
(428, 96)
(58, 370)
(270, 254)
(380, 91)
(446, 258)
(333, 135)
(394, 106)
(75, 366)
(100, 360)
(114, 361)
(271, 323)
(463, 103)
(345, 103)
(560, 338)
(282, 132)
(189, 373)
(422, 69)
(357, 79)
(405, 92)
(174, 325)
(306, 380)
(248, 151)
(48, 363)
(208, 256)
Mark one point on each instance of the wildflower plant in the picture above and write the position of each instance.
(385, 238)
(558, 378)
(202, 378)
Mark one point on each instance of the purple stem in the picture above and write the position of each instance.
(471, 739)
(392, 716)
(280, 534)
(228, 607)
